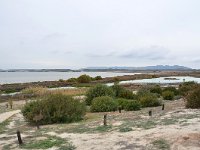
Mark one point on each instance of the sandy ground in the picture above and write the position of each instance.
(6, 115)
(178, 127)
(179, 137)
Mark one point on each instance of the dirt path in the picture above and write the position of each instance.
(6, 115)
(177, 135)
(179, 138)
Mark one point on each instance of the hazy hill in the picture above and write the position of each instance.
(158, 67)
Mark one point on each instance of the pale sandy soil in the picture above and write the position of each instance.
(179, 137)
(6, 115)
(178, 127)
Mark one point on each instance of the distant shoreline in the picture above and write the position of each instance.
(15, 87)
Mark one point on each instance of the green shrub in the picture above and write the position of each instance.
(121, 102)
(172, 89)
(103, 104)
(186, 87)
(168, 95)
(72, 80)
(193, 98)
(143, 92)
(149, 100)
(55, 108)
(117, 89)
(97, 91)
(116, 80)
(126, 94)
(156, 89)
(121, 92)
(98, 78)
(132, 105)
(84, 79)
(61, 80)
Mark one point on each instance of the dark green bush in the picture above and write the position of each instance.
(168, 95)
(156, 89)
(84, 79)
(103, 104)
(61, 80)
(116, 80)
(127, 94)
(149, 100)
(132, 105)
(121, 102)
(193, 98)
(186, 87)
(97, 91)
(117, 89)
(98, 78)
(143, 92)
(121, 92)
(72, 80)
(55, 108)
(172, 89)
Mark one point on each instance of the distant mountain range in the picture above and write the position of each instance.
(158, 67)
(116, 68)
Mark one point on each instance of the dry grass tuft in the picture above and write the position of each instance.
(41, 91)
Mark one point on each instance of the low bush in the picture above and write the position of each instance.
(156, 89)
(193, 98)
(149, 100)
(84, 79)
(127, 94)
(98, 78)
(121, 92)
(55, 108)
(103, 104)
(116, 80)
(143, 92)
(97, 91)
(172, 89)
(168, 95)
(117, 89)
(186, 87)
(132, 105)
(121, 102)
(61, 80)
(72, 80)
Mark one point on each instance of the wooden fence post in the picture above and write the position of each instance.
(150, 113)
(163, 107)
(105, 120)
(120, 109)
(19, 137)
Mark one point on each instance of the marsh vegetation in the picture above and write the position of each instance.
(56, 118)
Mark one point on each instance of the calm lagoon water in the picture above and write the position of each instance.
(23, 77)
(162, 80)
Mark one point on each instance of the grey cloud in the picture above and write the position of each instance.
(61, 52)
(195, 60)
(97, 55)
(150, 53)
(53, 36)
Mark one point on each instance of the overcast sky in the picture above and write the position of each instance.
(83, 33)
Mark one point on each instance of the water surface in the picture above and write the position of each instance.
(163, 80)
(23, 77)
